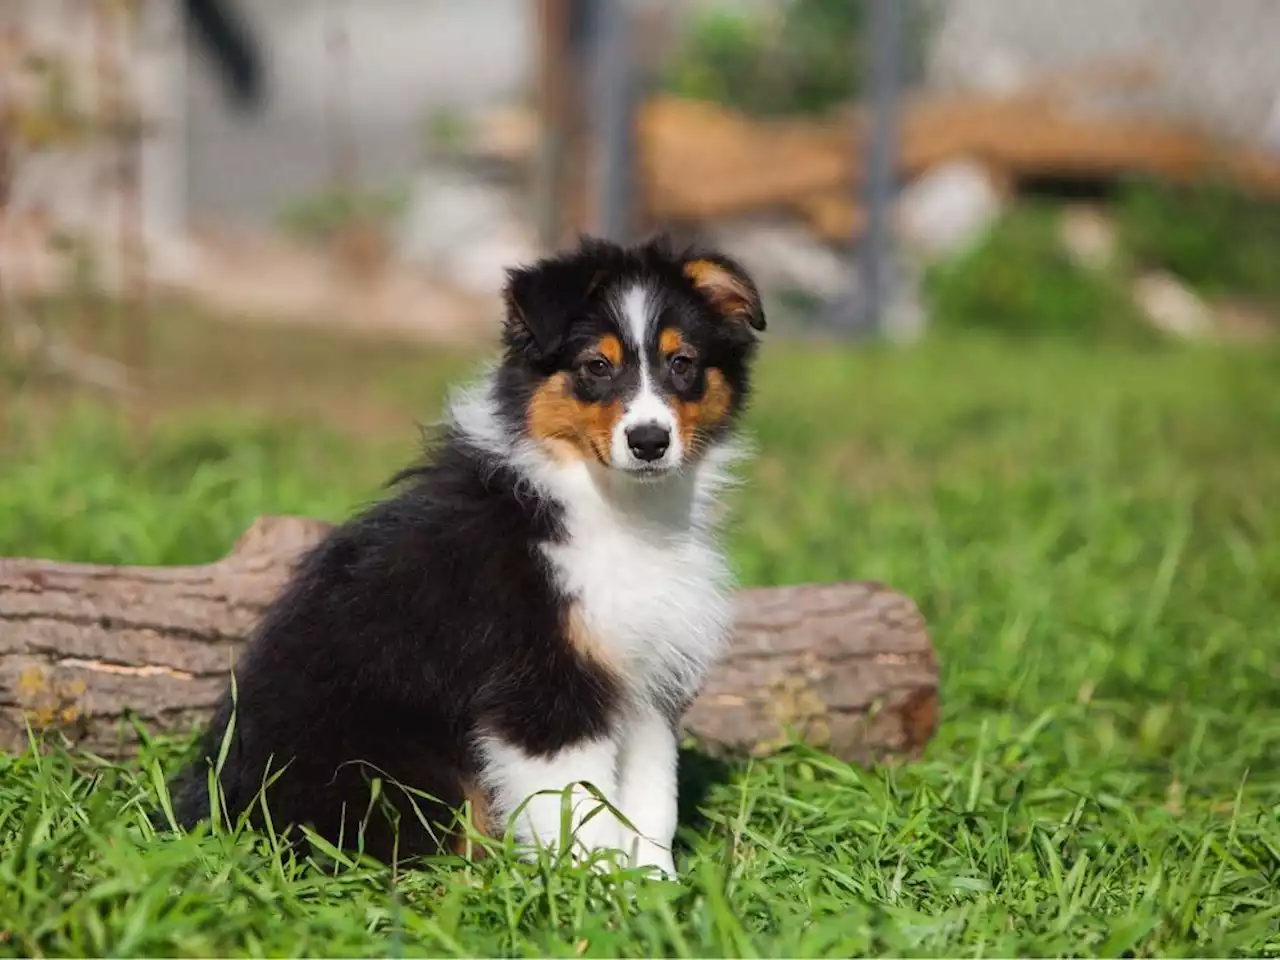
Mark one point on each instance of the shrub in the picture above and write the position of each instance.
(803, 59)
(1019, 281)
(1211, 234)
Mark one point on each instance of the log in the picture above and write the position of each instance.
(848, 667)
(700, 162)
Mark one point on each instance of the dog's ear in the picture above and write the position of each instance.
(728, 289)
(541, 301)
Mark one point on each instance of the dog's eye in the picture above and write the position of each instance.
(598, 367)
(681, 365)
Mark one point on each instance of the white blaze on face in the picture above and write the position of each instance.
(646, 410)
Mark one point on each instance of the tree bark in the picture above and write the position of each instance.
(847, 667)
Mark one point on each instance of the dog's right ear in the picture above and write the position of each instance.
(541, 302)
(727, 289)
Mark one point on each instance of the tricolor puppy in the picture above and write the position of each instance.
(537, 605)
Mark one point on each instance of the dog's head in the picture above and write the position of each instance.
(635, 358)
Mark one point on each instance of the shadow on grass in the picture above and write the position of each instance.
(699, 774)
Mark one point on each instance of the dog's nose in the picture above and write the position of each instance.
(648, 441)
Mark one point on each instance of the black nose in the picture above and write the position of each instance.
(648, 441)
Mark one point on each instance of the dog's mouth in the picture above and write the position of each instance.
(648, 472)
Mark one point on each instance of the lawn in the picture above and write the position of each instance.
(1093, 535)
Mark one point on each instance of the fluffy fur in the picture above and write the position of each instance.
(536, 605)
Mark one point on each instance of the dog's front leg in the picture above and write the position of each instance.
(648, 790)
(540, 783)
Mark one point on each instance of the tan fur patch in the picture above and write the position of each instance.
(728, 294)
(586, 641)
(481, 822)
(707, 413)
(610, 348)
(669, 341)
(569, 428)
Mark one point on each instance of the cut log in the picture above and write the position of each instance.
(699, 162)
(847, 667)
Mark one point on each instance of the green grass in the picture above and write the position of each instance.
(1092, 533)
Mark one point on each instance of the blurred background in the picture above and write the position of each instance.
(884, 167)
(301, 210)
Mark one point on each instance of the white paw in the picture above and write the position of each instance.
(598, 828)
(654, 858)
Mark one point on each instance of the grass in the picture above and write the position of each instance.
(1092, 534)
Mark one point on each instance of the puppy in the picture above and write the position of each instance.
(536, 606)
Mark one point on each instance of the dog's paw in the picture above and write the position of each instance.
(654, 860)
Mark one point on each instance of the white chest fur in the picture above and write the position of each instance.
(646, 576)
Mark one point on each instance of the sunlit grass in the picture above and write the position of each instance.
(1093, 536)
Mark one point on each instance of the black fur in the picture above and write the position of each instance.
(432, 614)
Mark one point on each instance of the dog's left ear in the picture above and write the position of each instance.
(540, 301)
(728, 289)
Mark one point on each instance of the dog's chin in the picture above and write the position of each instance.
(646, 474)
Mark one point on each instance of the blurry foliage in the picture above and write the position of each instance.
(12, 372)
(324, 215)
(51, 119)
(1215, 237)
(447, 131)
(1019, 281)
(55, 123)
(799, 57)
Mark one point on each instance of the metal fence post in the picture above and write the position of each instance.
(885, 38)
(553, 75)
(614, 108)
